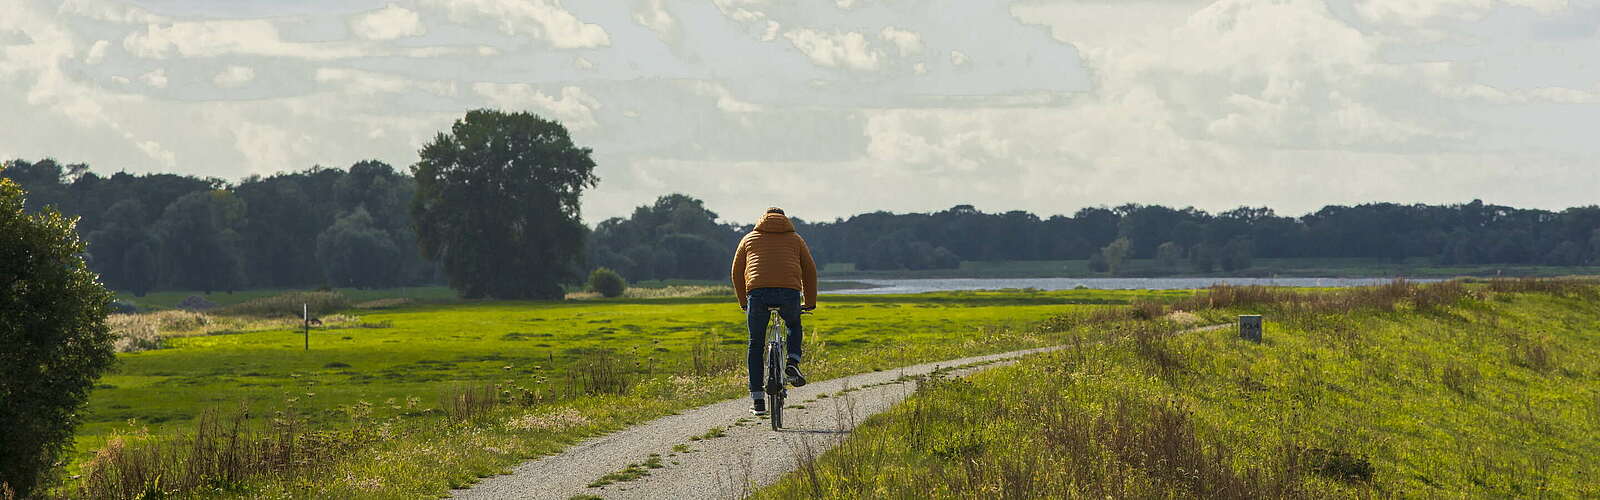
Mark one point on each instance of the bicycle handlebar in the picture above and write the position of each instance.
(803, 310)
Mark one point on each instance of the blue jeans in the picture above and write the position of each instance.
(787, 300)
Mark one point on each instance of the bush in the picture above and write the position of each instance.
(1115, 253)
(195, 303)
(54, 341)
(607, 283)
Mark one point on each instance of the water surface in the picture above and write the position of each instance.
(886, 286)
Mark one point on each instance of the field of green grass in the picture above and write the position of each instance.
(598, 364)
(1485, 391)
(1317, 268)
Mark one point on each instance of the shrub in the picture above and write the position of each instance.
(1115, 253)
(607, 282)
(195, 303)
(54, 341)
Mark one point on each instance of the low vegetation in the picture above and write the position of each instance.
(416, 399)
(1445, 390)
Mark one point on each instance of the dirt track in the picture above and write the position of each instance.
(749, 456)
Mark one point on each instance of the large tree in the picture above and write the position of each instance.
(497, 205)
(54, 341)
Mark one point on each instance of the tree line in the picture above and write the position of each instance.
(352, 227)
(320, 226)
(647, 243)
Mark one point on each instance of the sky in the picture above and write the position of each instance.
(831, 108)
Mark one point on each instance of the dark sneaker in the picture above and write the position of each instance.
(795, 378)
(759, 408)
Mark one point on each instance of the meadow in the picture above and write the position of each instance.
(393, 392)
(1446, 390)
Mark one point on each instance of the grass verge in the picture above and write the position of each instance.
(1415, 391)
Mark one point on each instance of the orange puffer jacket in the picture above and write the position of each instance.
(774, 256)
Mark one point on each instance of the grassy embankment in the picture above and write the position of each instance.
(1434, 391)
(413, 400)
(1135, 268)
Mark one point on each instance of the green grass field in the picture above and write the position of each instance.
(1494, 395)
(1316, 268)
(397, 367)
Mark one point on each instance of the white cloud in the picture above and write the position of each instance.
(218, 38)
(771, 33)
(909, 42)
(574, 108)
(260, 37)
(34, 84)
(270, 148)
(1414, 13)
(736, 9)
(904, 137)
(97, 52)
(387, 23)
(157, 78)
(835, 50)
(725, 99)
(543, 20)
(958, 57)
(234, 76)
(154, 150)
(102, 10)
(653, 14)
(582, 63)
(367, 83)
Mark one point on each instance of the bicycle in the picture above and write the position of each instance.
(776, 353)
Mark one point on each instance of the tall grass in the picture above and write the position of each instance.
(669, 291)
(147, 331)
(291, 304)
(221, 454)
(1401, 389)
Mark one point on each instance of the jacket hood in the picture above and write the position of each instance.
(775, 223)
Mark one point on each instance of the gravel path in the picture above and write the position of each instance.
(748, 456)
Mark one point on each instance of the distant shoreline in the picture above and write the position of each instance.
(1262, 268)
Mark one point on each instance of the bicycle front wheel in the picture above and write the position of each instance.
(775, 385)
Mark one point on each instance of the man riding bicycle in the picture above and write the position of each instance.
(772, 267)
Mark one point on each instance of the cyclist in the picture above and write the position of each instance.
(772, 267)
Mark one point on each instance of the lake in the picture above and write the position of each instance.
(888, 286)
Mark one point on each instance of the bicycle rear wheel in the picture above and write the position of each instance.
(775, 385)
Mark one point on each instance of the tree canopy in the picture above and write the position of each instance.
(54, 342)
(497, 205)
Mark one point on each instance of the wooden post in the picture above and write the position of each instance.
(305, 317)
(1250, 327)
